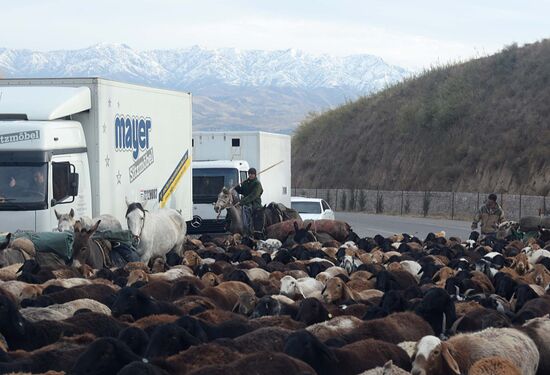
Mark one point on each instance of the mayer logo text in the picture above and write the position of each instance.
(132, 134)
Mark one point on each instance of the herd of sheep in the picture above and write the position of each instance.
(309, 300)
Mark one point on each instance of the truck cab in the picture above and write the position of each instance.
(43, 161)
(209, 177)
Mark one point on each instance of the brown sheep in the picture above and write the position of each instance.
(10, 272)
(539, 275)
(154, 320)
(460, 352)
(198, 356)
(441, 276)
(394, 328)
(493, 366)
(483, 282)
(261, 363)
(217, 316)
(335, 328)
(521, 264)
(189, 303)
(246, 304)
(226, 295)
(282, 230)
(336, 291)
(210, 279)
(192, 259)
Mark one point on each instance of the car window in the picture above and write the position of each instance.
(306, 207)
(325, 206)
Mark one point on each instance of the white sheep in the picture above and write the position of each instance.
(64, 310)
(388, 369)
(412, 267)
(535, 255)
(305, 286)
(460, 352)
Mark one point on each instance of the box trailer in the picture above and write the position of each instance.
(89, 144)
(223, 158)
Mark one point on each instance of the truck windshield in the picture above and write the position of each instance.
(208, 182)
(307, 207)
(23, 186)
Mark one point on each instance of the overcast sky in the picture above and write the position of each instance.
(410, 33)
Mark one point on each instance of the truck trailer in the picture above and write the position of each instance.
(90, 144)
(223, 159)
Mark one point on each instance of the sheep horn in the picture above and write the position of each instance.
(443, 325)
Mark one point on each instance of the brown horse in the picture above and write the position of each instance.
(88, 251)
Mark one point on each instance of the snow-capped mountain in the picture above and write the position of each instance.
(233, 88)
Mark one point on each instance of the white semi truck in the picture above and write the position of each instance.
(223, 159)
(89, 144)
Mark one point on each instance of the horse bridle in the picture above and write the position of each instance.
(137, 206)
(227, 207)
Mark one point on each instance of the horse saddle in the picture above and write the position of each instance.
(105, 248)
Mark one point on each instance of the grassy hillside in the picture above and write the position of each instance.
(483, 125)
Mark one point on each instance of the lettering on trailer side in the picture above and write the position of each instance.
(132, 134)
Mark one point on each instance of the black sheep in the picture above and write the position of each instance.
(270, 306)
(533, 309)
(169, 339)
(523, 294)
(141, 368)
(438, 309)
(99, 292)
(105, 356)
(134, 302)
(312, 311)
(22, 334)
(350, 359)
(136, 339)
(204, 331)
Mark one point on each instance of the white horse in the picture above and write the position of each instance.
(66, 222)
(156, 233)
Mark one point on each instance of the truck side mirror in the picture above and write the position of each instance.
(73, 184)
(65, 182)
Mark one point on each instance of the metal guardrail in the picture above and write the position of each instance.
(451, 205)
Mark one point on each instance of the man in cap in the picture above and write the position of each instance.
(490, 215)
(251, 189)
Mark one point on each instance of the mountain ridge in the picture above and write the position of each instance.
(218, 76)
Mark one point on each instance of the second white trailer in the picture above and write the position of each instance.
(269, 153)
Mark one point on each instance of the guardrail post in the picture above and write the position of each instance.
(452, 205)
(519, 207)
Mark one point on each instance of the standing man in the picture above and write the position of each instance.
(251, 190)
(490, 215)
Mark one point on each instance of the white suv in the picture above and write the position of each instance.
(312, 208)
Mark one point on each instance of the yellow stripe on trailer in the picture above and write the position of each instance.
(174, 179)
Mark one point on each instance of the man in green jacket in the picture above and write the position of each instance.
(490, 215)
(251, 190)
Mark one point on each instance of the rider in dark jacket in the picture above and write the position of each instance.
(251, 190)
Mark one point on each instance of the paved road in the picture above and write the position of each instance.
(370, 225)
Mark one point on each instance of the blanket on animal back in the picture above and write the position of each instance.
(61, 243)
(285, 212)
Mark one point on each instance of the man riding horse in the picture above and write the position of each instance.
(251, 190)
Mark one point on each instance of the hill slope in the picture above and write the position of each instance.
(483, 125)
